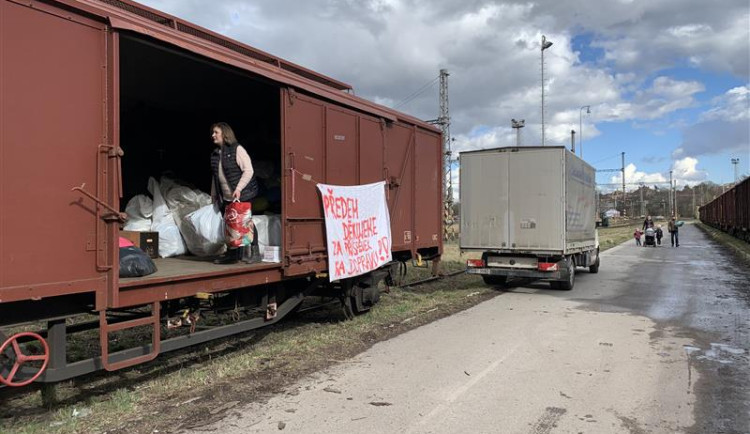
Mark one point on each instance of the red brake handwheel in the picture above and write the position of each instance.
(20, 358)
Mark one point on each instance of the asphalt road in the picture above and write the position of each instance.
(657, 342)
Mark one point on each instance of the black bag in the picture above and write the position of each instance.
(134, 262)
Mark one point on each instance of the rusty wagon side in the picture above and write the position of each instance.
(730, 212)
(98, 95)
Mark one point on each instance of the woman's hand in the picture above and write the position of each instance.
(236, 195)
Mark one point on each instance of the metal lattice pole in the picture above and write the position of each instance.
(445, 125)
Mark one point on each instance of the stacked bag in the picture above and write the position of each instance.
(185, 218)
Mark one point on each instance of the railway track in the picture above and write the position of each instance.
(432, 279)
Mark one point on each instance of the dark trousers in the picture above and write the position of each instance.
(675, 239)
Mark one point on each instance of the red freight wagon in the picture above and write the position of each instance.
(730, 212)
(99, 95)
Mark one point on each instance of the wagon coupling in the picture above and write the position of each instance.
(12, 352)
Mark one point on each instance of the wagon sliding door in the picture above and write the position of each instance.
(52, 117)
(304, 143)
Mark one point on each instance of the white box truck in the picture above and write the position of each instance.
(531, 212)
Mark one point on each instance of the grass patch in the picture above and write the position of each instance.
(614, 236)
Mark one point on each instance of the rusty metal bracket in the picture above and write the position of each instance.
(293, 175)
(115, 216)
(115, 152)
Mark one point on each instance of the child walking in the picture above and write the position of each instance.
(637, 236)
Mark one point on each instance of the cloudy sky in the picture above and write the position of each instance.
(668, 81)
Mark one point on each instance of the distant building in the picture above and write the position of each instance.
(612, 213)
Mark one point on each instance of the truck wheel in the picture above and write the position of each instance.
(567, 285)
(495, 280)
(593, 269)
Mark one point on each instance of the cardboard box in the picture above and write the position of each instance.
(146, 241)
(272, 254)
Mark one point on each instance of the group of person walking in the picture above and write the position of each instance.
(658, 233)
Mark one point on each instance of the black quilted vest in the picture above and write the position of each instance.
(232, 172)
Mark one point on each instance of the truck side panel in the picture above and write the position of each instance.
(484, 200)
(52, 122)
(536, 196)
(580, 206)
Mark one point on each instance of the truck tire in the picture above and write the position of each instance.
(593, 269)
(495, 280)
(567, 285)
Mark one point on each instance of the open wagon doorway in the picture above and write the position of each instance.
(169, 98)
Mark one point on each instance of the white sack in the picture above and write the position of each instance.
(204, 231)
(137, 225)
(170, 240)
(140, 207)
(269, 230)
(139, 210)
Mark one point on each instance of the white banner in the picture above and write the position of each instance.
(358, 228)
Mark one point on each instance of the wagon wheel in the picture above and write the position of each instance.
(12, 355)
(346, 307)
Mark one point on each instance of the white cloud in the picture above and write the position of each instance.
(723, 127)
(656, 35)
(634, 176)
(685, 172)
(733, 106)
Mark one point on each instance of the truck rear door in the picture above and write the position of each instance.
(484, 200)
(536, 201)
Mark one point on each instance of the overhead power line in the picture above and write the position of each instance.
(418, 92)
(605, 159)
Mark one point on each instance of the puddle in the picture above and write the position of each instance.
(720, 353)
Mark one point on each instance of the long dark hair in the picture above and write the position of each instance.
(226, 132)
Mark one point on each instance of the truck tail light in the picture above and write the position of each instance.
(475, 263)
(547, 266)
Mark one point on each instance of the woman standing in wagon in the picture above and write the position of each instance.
(233, 188)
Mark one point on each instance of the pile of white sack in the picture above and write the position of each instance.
(185, 218)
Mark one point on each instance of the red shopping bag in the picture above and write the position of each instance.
(238, 224)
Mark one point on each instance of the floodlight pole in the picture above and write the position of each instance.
(517, 125)
(545, 44)
(580, 126)
(735, 162)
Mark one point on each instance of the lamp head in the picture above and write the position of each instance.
(545, 43)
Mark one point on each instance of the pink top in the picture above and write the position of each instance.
(243, 160)
(124, 242)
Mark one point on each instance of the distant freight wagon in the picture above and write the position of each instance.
(98, 96)
(730, 212)
(531, 212)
